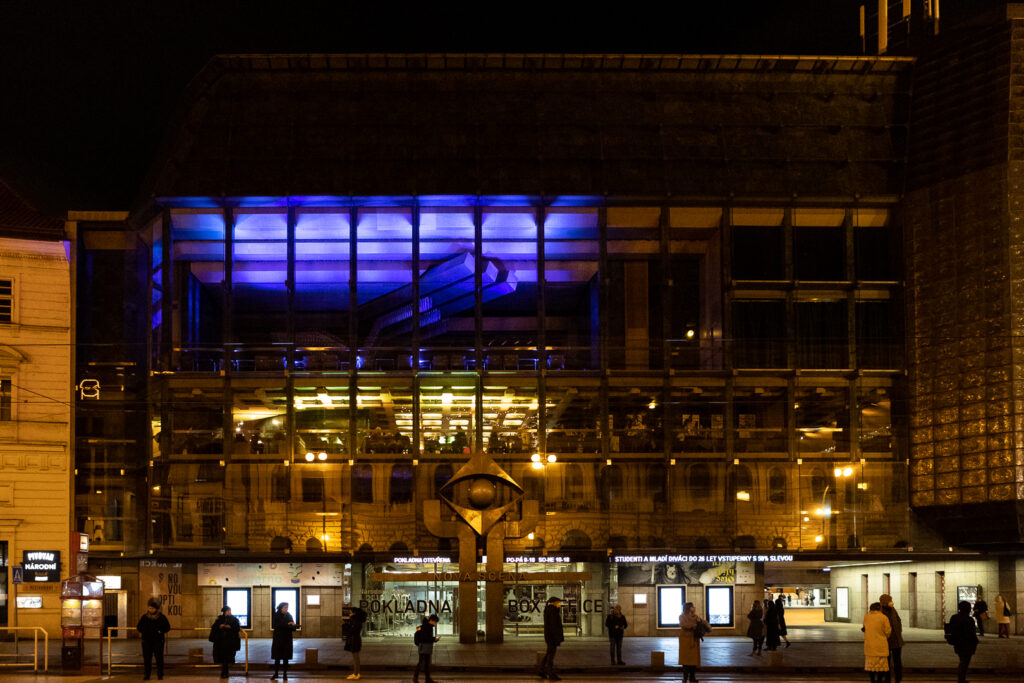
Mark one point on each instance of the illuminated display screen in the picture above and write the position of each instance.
(842, 603)
(719, 602)
(670, 605)
(238, 600)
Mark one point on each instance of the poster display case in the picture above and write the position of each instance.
(81, 617)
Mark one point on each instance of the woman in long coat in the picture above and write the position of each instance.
(225, 639)
(1002, 618)
(756, 629)
(689, 641)
(283, 625)
(876, 643)
(780, 608)
(771, 625)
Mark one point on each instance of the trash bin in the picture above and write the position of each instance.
(71, 658)
(657, 660)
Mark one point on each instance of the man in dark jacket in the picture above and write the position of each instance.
(980, 612)
(960, 633)
(224, 634)
(895, 638)
(153, 625)
(281, 647)
(553, 637)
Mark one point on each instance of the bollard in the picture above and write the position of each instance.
(312, 656)
(657, 660)
(195, 655)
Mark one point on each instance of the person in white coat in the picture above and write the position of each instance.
(876, 643)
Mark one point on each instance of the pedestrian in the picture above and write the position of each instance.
(771, 625)
(691, 632)
(352, 634)
(617, 625)
(283, 625)
(1003, 614)
(895, 638)
(980, 613)
(153, 625)
(425, 639)
(553, 637)
(755, 631)
(960, 633)
(876, 643)
(780, 612)
(226, 642)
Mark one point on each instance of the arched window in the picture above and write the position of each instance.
(574, 482)
(700, 480)
(818, 483)
(657, 483)
(362, 483)
(611, 485)
(442, 473)
(776, 486)
(281, 484)
(398, 547)
(533, 485)
(575, 540)
(313, 545)
(401, 484)
(739, 485)
(280, 544)
(365, 548)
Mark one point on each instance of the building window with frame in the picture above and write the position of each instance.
(5, 400)
(6, 301)
(312, 489)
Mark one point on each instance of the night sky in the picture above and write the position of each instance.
(89, 88)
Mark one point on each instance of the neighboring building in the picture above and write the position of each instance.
(676, 282)
(35, 410)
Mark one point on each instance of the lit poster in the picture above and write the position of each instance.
(842, 603)
(162, 580)
(670, 605)
(720, 606)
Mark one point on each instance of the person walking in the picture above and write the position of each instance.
(617, 625)
(980, 613)
(425, 640)
(771, 625)
(895, 638)
(553, 637)
(152, 626)
(283, 625)
(960, 633)
(876, 643)
(691, 632)
(352, 633)
(755, 631)
(780, 612)
(226, 642)
(1003, 614)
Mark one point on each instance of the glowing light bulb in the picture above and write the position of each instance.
(309, 457)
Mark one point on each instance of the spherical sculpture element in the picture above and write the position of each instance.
(481, 493)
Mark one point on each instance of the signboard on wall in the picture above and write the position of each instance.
(660, 573)
(842, 602)
(746, 575)
(279, 574)
(41, 565)
(162, 580)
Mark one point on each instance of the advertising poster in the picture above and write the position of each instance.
(162, 580)
(842, 603)
(280, 574)
(681, 573)
(719, 602)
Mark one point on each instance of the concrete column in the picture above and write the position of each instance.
(467, 589)
(495, 590)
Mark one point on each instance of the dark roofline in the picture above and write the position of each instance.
(20, 219)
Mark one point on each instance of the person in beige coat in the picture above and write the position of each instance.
(1002, 618)
(876, 643)
(690, 635)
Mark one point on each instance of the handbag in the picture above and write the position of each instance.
(1006, 610)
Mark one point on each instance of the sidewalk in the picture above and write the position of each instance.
(832, 649)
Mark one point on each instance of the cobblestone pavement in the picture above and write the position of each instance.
(816, 651)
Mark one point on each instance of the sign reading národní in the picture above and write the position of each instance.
(41, 565)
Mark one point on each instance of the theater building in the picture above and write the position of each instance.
(457, 333)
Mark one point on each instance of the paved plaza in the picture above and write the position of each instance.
(821, 651)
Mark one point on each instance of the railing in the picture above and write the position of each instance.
(110, 660)
(35, 646)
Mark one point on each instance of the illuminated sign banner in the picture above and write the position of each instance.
(41, 565)
(702, 558)
(507, 577)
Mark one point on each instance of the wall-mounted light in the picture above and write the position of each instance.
(310, 457)
(321, 456)
(535, 457)
(743, 495)
(552, 458)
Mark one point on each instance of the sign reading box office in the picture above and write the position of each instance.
(41, 565)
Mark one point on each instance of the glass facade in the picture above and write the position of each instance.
(314, 370)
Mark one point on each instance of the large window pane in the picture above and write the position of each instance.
(878, 327)
(198, 238)
(823, 420)
(822, 334)
(571, 289)
(447, 414)
(510, 418)
(321, 289)
(636, 418)
(574, 417)
(759, 334)
(510, 302)
(760, 419)
(697, 419)
(819, 253)
(757, 253)
(259, 295)
(384, 288)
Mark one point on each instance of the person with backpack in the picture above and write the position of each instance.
(424, 639)
(352, 634)
(962, 635)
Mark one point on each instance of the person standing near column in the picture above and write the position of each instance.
(961, 634)
(425, 640)
(980, 613)
(617, 625)
(352, 633)
(895, 638)
(224, 634)
(283, 624)
(153, 625)
(553, 637)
